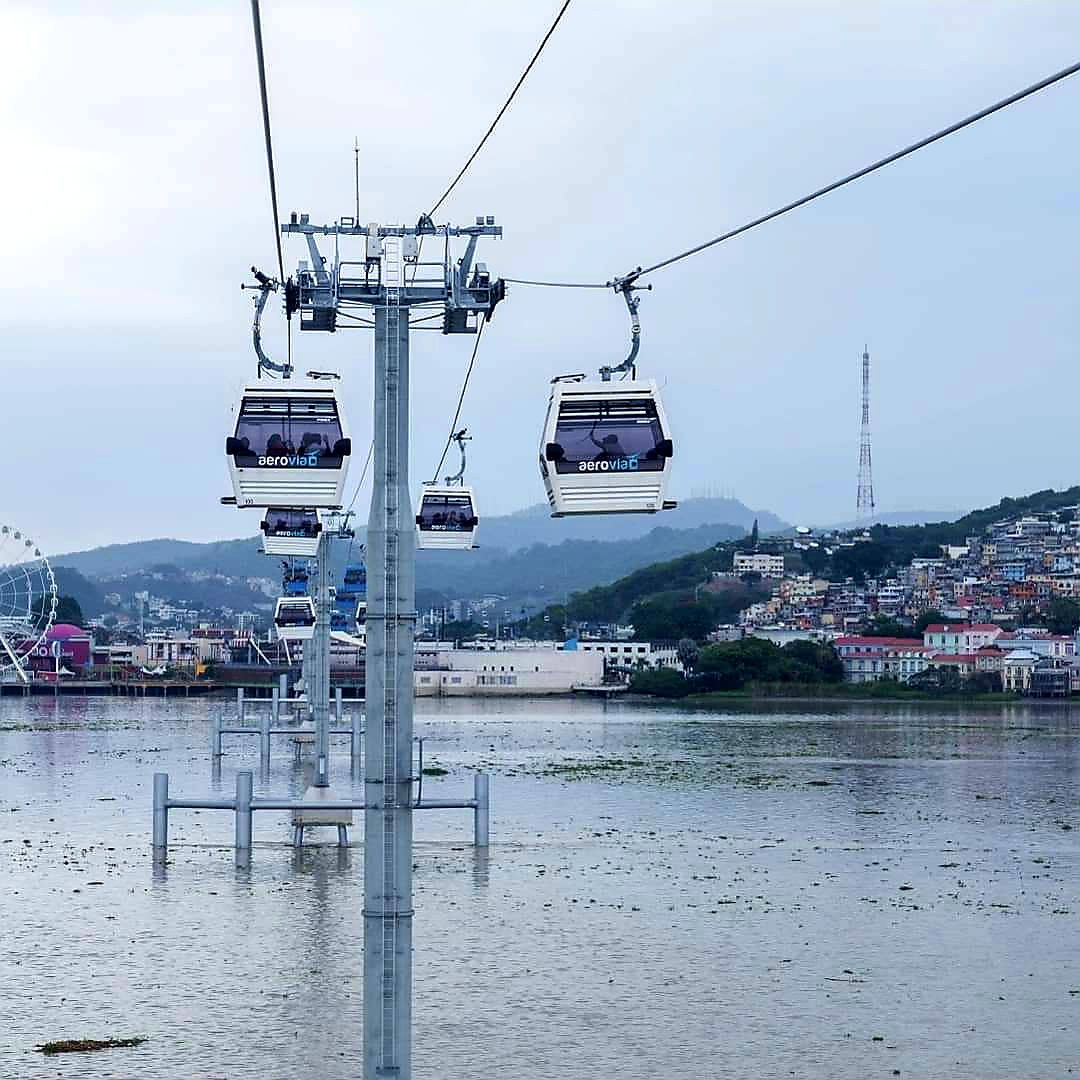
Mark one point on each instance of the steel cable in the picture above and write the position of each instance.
(461, 399)
(257, 26)
(499, 114)
(1004, 103)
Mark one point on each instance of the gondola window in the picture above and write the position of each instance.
(290, 428)
(604, 436)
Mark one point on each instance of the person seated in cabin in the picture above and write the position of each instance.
(610, 448)
(276, 445)
(312, 445)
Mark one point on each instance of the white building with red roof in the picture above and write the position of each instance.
(963, 638)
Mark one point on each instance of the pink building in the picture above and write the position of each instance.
(65, 647)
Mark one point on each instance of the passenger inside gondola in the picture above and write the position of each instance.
(591, 432)
(610, 447)
(276, 428)
(312, 445)
(445, 513)
(294, 615)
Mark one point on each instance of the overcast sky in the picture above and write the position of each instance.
(135, 198)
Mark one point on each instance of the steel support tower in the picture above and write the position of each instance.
(390, 280)
(317, 663)
(864, 499)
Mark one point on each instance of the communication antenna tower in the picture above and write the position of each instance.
(864, 500)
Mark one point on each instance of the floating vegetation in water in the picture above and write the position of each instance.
(435, 770)
(78, 1046)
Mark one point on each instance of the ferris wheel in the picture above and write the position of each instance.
(27, 601)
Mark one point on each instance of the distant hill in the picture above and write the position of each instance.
(527, 556)
(890, 546)
(536, 525)
(125, 558)
(901, 517)
(498, 535)
(90, 595)
(531, 575)
(900, 543)
(544, 573)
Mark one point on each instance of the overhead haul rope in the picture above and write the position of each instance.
(461, 399)
(363, 474)
(1012, 99)
(256, 23)
(499, 114)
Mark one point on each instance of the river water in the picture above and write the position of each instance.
(793, 891)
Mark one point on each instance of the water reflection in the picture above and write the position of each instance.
(789, 880)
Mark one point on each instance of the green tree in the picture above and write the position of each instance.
(983, 682)
(688, 653)
(819, 657)
(465, 630)
(861, 560)
(930, 615)
(669, 618)
(754, 534)
(883, 626)
(663, 682)
(1063, 615)
(939, 681)
(732, 664)
(815, 559)
(67, 610)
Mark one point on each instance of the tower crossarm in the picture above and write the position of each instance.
(463, 288)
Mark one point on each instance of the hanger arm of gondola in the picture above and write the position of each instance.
(461, 438)
(627, 286)
(266, 285)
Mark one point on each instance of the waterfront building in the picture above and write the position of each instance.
(961, 637)
(864, 658)
(483, 672)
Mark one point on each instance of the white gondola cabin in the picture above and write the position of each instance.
(606, 448)
(291, 532)
(289, 447)
(447, 519)
(294, 618)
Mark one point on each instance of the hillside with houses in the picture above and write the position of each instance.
(996, 610)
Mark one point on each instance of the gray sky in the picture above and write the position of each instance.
(135, 198)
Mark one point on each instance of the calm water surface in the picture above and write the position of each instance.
(792, 891)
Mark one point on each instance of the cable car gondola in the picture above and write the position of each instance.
(288, 531)
(295, 579)
(606, 446)
(290, 446)
(354, 580)
(446, 519)
(294, 618)
(349, 597)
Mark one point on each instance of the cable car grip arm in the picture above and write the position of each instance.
(461, 438)
(266, 285)
(627, 286)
